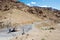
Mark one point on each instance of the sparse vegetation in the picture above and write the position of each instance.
(47, 28)
(42, 39)
(51, 28)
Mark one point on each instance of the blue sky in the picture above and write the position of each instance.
(43, 3)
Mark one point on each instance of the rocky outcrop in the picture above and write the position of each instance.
(6, 5)
(43, 12)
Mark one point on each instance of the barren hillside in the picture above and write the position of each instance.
(31, 23)
(16, 13)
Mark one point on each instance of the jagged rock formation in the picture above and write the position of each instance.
(18, 12)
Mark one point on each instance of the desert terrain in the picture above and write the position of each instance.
(30, 23)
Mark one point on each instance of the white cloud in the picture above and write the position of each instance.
(29, 4)
(33, 2)
(45, 6)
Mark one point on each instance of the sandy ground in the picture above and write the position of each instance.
(32, 32)
(36, 34)
(42, 33)
(4, 35)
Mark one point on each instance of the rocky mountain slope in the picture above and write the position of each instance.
(30, 23)
(48, 13)
(14, 13)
